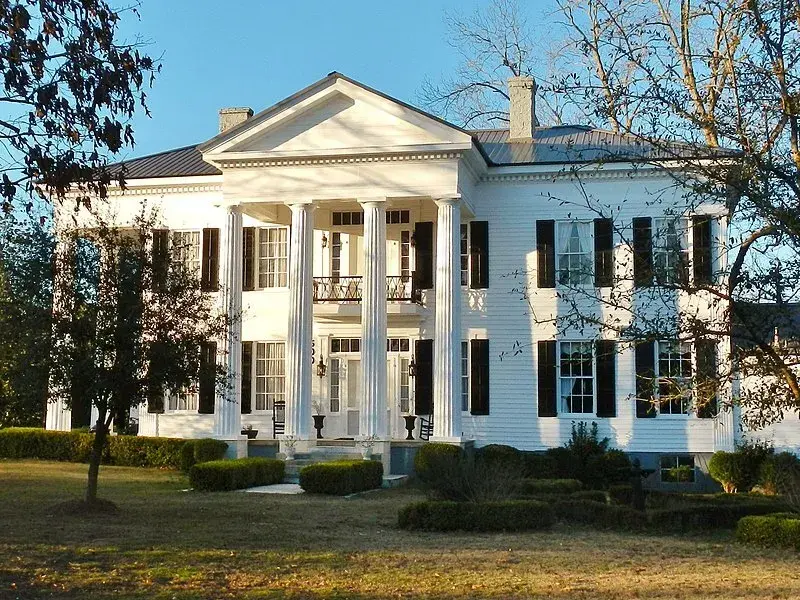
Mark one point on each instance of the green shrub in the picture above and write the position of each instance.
(593, 495)
(538, 466)
(706, 516)
(501, 456)
(613, 467)
(599, 514)
(776, 472)
(739, 471)
(226, 475)
(549, 486)
(435, 459)
(342, 477)
(135, 451)
(774, 530)
(621, 494)
(587, 458)
(200, 451)
(509, 515)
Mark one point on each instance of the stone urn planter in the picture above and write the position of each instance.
(411, 421)
(366, 452)
(250, 433)
(319, 423)
(289, 452)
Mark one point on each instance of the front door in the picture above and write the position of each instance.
(353, 396)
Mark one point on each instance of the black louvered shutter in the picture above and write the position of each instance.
(603, 253)
(645, 374)
(546, 253)
(479, 255)
(479, 377)
(605, 351)
(423, 382)
(642, 251)
(423, 251)
(208, 371)
(707, 382)
(160, 257)
(210, 266)
(248, 258)
(701, 253)
(155, 400)
(247, 377)
(547, 378)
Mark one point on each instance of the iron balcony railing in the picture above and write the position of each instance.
(399, 288)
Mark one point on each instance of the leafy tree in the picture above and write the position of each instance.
(129, 324)
(706, 94)
(69, 88)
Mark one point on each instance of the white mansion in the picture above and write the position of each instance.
(371, 249)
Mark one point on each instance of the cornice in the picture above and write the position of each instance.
(338, 160)
(573, 174)
(166, 189)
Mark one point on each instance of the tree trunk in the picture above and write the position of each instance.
(96, 455)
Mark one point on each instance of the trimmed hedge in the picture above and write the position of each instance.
(549, 486)
(200, 451)
(600, 515)
(539, 466)
(75, 446)
(434, 458)
(777, 471)
(339, 478)
(510, 515)
(775, 530)
(593, 495)
(621, 494)
(711, 515)
(226, 475)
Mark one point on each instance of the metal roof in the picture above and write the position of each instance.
(180, 162)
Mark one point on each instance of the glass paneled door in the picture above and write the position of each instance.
(353, 396)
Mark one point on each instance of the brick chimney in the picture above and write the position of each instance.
(522, 109)
(231, 117)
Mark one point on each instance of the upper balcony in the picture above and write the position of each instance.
(349, 289)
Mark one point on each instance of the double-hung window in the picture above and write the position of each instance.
(464, 376)
(576, 377)
(574, 248)
(677, 469)
(335, 379)
(273, 257)
(185, 400)
(465, 254)
(671, 249)
(674, 377)
(405, 386)
(186, 245)
(270, 367)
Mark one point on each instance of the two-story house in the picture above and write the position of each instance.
(388, 264)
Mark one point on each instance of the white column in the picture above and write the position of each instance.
(447, 327)
(59, 416)
(373, 321)
(298, 341)
(227, 411)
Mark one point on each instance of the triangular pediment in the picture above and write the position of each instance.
(339, 116)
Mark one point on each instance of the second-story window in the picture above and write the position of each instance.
(465, 254)
(671, 249)
(405, 255)
(187, 247)
(574, 253)
(272, 257)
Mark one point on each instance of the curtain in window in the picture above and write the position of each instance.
(574, 253)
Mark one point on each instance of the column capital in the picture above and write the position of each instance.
(448, 200)
(302, 204)
(373, 201)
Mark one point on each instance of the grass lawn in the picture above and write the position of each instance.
(166, 543)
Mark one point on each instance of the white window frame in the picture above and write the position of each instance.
(190, 397)
(673, 259)
(275, 262)
(335, 382)
(587, 277)
(279, 391)
(677, 459)
(562, 409)
(685, 382)
(404, 379)
(178, 240)
(464, 254)
(465, 376)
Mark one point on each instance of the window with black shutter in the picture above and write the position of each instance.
(547, 378)
(479, 377)
(423, 381)
(546, 253)
(210, 257)
(160, 257)
(603, 253)
(248, 258)
(701, 250)
(707, 382)
(642, 251)
(423, 249)
(207, 383)
(605, 356)
(247, 378)
(645, 374)
(479, 254)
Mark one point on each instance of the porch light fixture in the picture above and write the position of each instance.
(324, 241)
(321, 367)
(412, 367)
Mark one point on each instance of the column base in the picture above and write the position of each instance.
(237, 446)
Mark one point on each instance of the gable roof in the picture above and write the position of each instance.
(561, 144)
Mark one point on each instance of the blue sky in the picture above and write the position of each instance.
(254, 53)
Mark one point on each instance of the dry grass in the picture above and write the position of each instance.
(166, 543)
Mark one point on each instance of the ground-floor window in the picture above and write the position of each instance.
(677, 469)
(576, 377)
(185, 400)
(270, 365)
(405, 386)
(335, 378)
(674, 377)
(464, 376)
